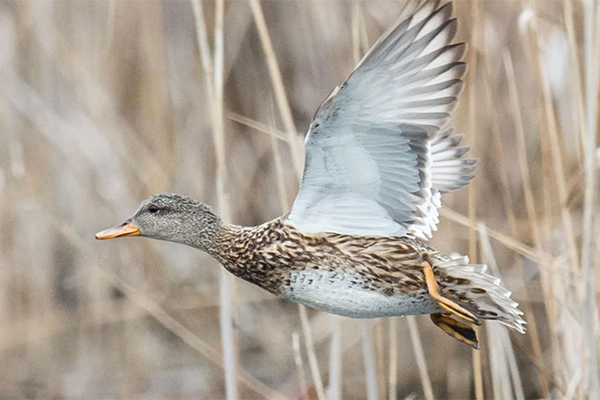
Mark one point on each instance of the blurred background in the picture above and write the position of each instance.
(103, 103)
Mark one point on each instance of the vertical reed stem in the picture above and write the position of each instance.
(475, 15)
(420, 357)
(225, 281)
(587, 246)
(213, 74)
(335, 360)
(393, 362)
(288, 121)
(369, 357)
(531, 212)
(277, 83)
(299, 365)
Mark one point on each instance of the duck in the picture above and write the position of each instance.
(379, 153)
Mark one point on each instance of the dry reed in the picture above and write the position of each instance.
(105, 103)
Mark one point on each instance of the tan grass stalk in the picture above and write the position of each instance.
(522, 151)
(335, 360)
(498, 368)
(59, 130)
(540, 366)
(299, 365)
(277, 83)
(573, 385)
(281, 189)
(507, 382)
(531, 215)
(578, 108)
(555, 146)
(472, 198)
(310, 348)
(110, 25)
(590, 309)
(551, 150)
(369, 358)
(269, 130)
(597, 219)
(512, 365)
(508, 205)
(356, 30)
(204, 49)
(215, 88)
(420, 357)
(510, 243)
(547, 217)
(393, 362)
(364, 35)
(58, 324)
(284, 202)
(380, 356)
(225, 280)
(472, 132)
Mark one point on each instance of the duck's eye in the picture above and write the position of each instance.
(153, 209)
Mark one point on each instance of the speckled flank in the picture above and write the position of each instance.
(345, 294)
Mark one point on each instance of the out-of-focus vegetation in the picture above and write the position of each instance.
(103, 103)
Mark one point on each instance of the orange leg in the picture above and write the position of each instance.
(446, 304)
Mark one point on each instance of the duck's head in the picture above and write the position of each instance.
(170, 217)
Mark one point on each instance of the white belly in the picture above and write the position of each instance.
(344, 294)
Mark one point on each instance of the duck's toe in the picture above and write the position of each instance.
(457, 329)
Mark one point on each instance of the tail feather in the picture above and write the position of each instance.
(480, 293)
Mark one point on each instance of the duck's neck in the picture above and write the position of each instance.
(222, 244)
(244, 251)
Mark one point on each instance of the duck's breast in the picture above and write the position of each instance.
(348, 294)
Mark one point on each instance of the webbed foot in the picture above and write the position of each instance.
(458, 330)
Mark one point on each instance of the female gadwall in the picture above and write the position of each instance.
(378, 158)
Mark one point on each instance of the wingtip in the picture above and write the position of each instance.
(446, 5)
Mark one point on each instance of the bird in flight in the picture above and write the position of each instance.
(379, 155)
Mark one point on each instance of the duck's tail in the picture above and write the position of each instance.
(478, 292)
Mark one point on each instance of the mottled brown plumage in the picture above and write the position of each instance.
(266, 255)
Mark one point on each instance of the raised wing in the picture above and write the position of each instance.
(377, 156)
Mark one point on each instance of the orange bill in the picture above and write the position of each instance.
(127, 228)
